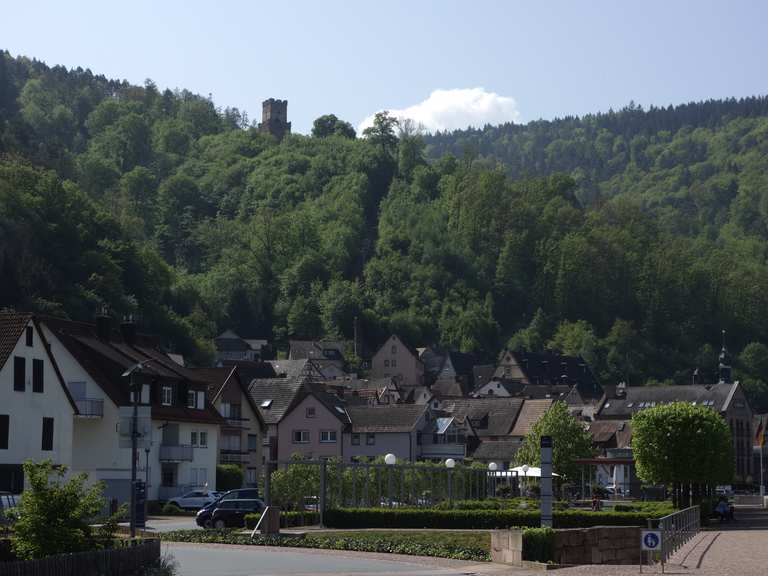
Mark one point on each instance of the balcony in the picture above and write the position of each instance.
(176, 453)
(241, 423)
(441, 451)
(90, 407)
(233, 456)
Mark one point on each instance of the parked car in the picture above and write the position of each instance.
(231, 513)
(203, 518)
(195, 500)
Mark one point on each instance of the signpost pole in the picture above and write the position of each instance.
(546, 482)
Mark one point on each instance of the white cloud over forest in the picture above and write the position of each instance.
(455, 109)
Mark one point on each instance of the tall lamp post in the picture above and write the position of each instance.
(136, 390)
(450, 463)
(492, 467)
(390, 460)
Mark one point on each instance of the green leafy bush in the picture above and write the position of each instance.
(473, 519)
(228, 477)
(287, 519)
(538, 544)
(429, 545)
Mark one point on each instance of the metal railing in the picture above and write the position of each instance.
(233, 456)
(238, 422)
(176, 453)
(677, 528)
(93, 407)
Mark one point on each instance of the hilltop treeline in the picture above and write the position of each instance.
(158, 203)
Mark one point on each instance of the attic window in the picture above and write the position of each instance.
(630, 404)
(607, 404)
(266, 403)
(339, 409)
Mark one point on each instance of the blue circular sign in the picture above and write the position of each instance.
(651, 540)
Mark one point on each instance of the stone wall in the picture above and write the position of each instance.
(598, 545)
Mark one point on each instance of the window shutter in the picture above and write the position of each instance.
(37, 376)
(19, 373)
(47, 434)
(4, 427)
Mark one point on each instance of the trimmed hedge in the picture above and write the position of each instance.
(539, 544)
(360, 544)
(473, 519)
(287, 519)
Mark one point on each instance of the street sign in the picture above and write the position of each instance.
(650, 540)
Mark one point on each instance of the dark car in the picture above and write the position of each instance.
(231, 513)
(204, 519)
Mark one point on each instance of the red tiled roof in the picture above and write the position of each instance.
(12, 325)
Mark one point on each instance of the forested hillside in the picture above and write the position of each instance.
(632, 238)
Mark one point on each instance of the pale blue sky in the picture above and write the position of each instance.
(354, 57)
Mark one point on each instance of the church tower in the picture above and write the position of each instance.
(274, 118)
(724, 364)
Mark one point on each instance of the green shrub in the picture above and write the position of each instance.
(538, 544)
(394, 544)
(287, 519)
(171, 510)
(228, 477)
(473, 519)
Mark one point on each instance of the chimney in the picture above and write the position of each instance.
(128, 329)
(103, 324)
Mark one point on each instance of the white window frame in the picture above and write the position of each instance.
(191, 396)
(304, 437)
(193, 438)
(166, 391)
(328, 436)
(203, 434)
(311, 412)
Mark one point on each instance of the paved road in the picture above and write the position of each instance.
(168, 523)
(222, 560)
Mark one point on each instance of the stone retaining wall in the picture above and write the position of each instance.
(598, 545)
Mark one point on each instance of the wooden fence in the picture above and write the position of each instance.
(129, 560)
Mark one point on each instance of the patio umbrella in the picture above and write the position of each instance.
(529, 471)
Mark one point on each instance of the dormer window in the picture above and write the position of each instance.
(266, 404)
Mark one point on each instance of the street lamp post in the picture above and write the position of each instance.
(492, 467)
(450, 463)
(390, 460)
(136, 391)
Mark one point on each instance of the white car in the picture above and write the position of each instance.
(195, 500)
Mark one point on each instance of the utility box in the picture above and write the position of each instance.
(141, 504)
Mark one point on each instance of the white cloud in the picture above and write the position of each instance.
(455, 109)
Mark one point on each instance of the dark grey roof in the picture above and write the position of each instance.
(397, 418)
(448, 387)
(488, 416)
(551, 369)
(310, 349)
(637, 398)
(497, 450)
(274, 396)
(482, 374)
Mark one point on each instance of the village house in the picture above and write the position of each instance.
(396, 360)
(230, 346)
(243, 428)
(179, 450)
(37, 411)
(375, 431)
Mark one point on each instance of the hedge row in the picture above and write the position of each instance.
(473, 519)
(330, 543)
(539, 544)
(287, 519)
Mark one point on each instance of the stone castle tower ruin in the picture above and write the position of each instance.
(274, 118)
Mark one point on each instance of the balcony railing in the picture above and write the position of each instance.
(238, 422)
(176, 453)
(233, 456)
(443, 450)
(90, 407)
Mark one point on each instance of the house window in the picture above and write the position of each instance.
(301, 436)
(235, 411)
(47, 434)
(355, 439)
(418, 438)
(203, 439)
(167, 398)
(253, 442)
(168, 476)
(370, 439)
(394, 363)
(386, 363)
(311, 412)
(251, 479)
(394, 350)
(37, 376)
(328, 436)
(19, 373)
(30, 332)
(193, 438)
(191, 399)
(5, 422)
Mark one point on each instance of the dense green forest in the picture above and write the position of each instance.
(632, 238)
